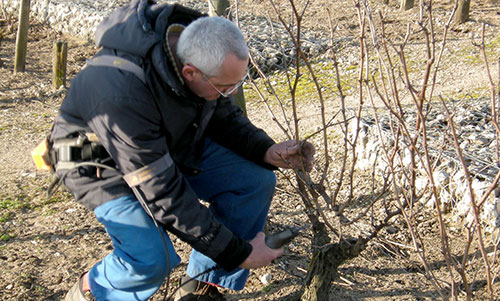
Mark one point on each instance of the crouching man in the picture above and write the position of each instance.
(157, 100)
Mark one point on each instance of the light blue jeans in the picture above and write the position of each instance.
(239, 193)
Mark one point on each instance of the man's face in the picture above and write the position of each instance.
(210, 88)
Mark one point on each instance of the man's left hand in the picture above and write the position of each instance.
(288, 154)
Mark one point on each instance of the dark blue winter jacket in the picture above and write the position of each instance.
(138, 123)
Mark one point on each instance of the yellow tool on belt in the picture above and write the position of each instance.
(41, 156)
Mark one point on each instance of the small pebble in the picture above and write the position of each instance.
(266, 278)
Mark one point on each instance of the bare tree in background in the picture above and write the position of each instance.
(388, 92)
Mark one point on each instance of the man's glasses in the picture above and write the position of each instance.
(229, 91)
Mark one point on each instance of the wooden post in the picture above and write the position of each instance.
(218, 8)
(59, 64)
(221, 8)
(239, 100)
(407, 4)
(22, 36)
(462, 14)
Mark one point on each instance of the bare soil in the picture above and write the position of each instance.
(47, 242)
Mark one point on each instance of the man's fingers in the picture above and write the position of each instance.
(293, 150)
(308, 149)
(290, 153)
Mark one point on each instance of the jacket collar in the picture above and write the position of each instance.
(171, 37)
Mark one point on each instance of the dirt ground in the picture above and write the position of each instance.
(46, 243)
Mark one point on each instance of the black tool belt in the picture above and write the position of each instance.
(65, 153)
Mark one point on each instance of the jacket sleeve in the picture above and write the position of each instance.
(230, 128)
(129, 128)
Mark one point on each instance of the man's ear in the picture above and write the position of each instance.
(189, 72)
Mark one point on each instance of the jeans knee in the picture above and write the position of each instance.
(267, 181)
(155, 266)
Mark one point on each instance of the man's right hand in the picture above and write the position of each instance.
(261, 254)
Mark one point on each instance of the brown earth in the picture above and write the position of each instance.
(46, 242)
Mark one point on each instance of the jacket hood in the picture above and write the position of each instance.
(139, 25)
(130, 29)
(139, 29)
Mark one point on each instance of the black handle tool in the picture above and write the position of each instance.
(277, 240)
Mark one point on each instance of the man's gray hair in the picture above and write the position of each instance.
(207, 41)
